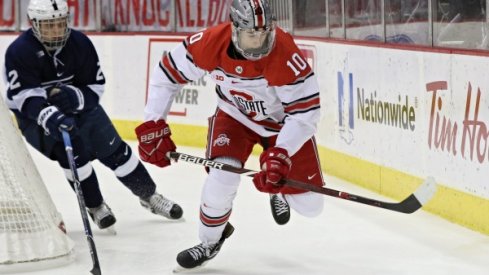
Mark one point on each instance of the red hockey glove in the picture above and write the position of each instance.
(154, 142)
(275, 165)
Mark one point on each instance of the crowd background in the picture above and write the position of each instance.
(432, 23)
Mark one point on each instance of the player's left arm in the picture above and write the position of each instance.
(301, 103)
(299, 94)
(300, 100)
(296, 86)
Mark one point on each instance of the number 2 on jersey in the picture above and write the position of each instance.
(100, 75)
(13, 83)
(297, 64)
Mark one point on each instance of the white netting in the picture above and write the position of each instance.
(29, 222)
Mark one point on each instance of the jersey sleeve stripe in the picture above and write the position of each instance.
(303, 99)
(175, 66)
(304, 110)
(221, 95)
(301, 79)
(271, 126)
(167, 74)
(303, 105)
(20, 98)
(169, 69)
(189, 58)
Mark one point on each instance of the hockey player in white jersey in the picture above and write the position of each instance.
(267, 94)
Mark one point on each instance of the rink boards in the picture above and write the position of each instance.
(390, 116)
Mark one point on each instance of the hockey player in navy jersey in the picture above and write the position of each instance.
(55, 82)
(267, 94)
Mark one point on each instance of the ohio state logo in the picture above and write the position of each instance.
(221, 140)
(248, 106)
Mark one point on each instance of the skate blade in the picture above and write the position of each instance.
(111, 230)
(179, 269)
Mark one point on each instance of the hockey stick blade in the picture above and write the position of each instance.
(409, 205)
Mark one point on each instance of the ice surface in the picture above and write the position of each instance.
(347, 238)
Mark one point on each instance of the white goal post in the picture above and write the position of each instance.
(30, 225)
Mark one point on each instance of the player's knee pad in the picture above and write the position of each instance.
(122, 161)
(83, 172)
(307, 204)
(220, 187)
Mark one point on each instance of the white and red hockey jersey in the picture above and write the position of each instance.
(277, 94)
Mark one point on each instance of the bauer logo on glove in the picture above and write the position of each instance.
(155, 142)
(155, 135)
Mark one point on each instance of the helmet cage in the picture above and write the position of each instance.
(49, 20)
(253, 44)
(53, 33)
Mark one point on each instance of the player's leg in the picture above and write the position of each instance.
(305, 168)
(132, 173)
(308, 204)
(53, 149)
(107, 146)
(280, 208)
(278, 203)
(98, 210)
(231, 143)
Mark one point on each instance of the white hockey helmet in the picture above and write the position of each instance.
(49, 20)
(253, 28)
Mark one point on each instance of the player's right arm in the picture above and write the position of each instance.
(24, 91)
(175, 69)
(25, 94)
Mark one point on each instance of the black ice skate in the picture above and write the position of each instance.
(280, 209)
(200, 254)
(160, 205)
(102, 216)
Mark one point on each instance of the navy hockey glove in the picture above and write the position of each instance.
(53, 121)
(69, 99)
(275, 164)
(154, 142)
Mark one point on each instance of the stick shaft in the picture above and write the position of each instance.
(81, 203)
(409, 205)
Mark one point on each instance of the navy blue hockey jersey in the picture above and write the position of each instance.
(31, 70)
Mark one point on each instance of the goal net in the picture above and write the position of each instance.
(30, 226)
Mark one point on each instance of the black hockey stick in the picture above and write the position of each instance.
(81, 202)
(409, 205)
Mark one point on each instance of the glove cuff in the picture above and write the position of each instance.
(45, 114)
(277, 153)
